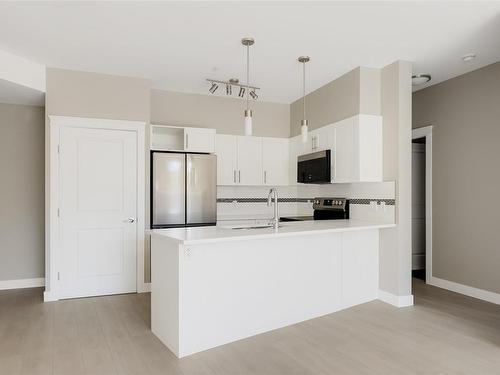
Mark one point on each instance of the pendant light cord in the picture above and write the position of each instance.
(304, 87)
(248, 72)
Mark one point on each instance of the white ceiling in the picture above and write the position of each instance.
(178, 45)
(16, 94)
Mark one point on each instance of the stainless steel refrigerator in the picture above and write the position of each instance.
(183, 189)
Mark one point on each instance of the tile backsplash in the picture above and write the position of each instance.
(371, 201)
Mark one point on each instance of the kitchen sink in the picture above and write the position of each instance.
(261, 226)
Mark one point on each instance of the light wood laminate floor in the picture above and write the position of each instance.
(444, 333)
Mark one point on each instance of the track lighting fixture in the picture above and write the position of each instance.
(229, 89)
(254, 95)
(214, 87)
(241, 94)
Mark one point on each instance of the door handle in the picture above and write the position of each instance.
(187, 141)
(239, 176)
(129, 220)
(265, 177)
(234, 176)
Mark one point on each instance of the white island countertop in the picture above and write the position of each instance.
(211, 234)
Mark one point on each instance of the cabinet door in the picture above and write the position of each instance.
(225, 148)
(343, 161)
(294, 152)
(249, 161)
(275, 159)
(359, 267)
(325, 138)
(199, 140)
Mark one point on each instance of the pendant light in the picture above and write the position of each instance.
(304, 123)
(247, 42)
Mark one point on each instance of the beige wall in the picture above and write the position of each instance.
(82, 94)
(223, 114)
(21, 192)
(357, 91)
(395, 243)
(465, 114)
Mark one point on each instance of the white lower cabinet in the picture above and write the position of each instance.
(275, 159)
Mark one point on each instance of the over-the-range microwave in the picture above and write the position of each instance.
(315, 168)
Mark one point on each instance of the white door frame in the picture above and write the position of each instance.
(52, 193)
(426, 132)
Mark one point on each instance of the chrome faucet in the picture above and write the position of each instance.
(276, 219)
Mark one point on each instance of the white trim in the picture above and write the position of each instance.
(426, 132)
(465, 289)
(22, 283)
(52, 192)
(21, 71)
(146, 288)
(392, 299)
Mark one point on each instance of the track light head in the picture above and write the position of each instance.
(241, 94)
(214, 87)
(254, 95)
(229, 90)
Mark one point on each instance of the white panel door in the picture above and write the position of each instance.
(275, 159)
(98, 208)
(225, 148)
(249, 161)
(199, 140)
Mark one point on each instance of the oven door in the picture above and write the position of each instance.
(315, 168)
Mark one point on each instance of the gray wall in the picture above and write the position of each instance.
(465, 113)
(221, 113)
(357, 91)
(21, 192)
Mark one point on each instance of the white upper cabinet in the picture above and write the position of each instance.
(226, 150)
(176, 138)
(355, 144)
(275, 159)
(239, 160)
(357, 155)
(199, 140)
(249, 160)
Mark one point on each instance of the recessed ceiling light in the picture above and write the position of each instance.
(420, 79)
(469, 57)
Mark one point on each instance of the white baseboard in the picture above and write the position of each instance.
(395, 300)
(145, 288)
(49, 297)
(466, 290)
(22, 283)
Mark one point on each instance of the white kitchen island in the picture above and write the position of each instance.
(213, 285)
